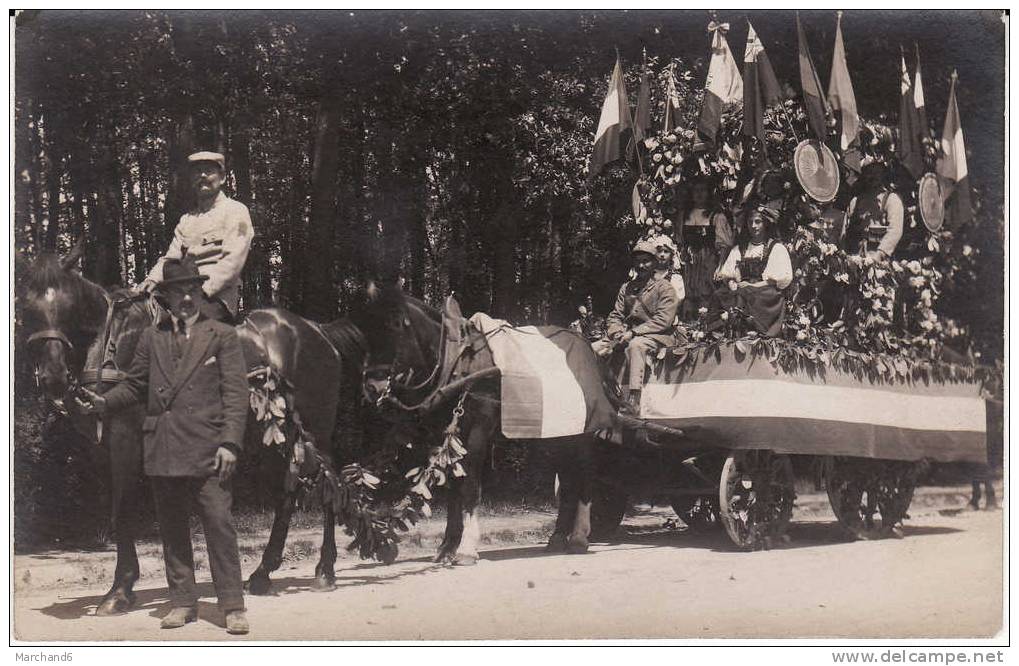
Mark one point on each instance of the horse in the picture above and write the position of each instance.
(403, 375)
(80, 333)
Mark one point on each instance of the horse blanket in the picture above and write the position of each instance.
(550, 380)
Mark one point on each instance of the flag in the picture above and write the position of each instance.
(734, 401)
(724, 85)
(642, 117)
(923, 129)
(671, 119)
(843, 100)
(760, 87)
(551, 382)
(813, 98)
(909, 151)
(614, 122)
(953, 173)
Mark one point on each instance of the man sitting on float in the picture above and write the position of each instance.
(755, 276)
(642, 320)
(874, 226)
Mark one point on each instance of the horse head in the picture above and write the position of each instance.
(62, 313)
(403, 338)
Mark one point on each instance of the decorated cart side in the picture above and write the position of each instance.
(745, 407)
(855, 379)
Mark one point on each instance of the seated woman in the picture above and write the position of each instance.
(755, 274)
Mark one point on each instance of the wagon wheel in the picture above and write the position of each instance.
(870, 497)
(756, 495)
(699, 513)
(608, 504)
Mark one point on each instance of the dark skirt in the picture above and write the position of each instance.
(764, 305)
(698, 273)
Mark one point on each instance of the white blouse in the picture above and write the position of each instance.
(778, 269)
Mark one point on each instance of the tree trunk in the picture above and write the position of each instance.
(22, 175)
(179, 195)
(321, 301)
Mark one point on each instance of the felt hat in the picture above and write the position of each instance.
(180, 271)
(645, 247)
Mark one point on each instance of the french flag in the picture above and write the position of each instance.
(953, 172)
(724, 85)
(615, 121)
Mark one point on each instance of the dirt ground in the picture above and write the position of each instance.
(655, 580)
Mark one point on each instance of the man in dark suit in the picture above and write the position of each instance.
(191, 371)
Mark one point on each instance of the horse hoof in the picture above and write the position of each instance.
(115, 603)
(464, 560)
(324, 584)
(557, 544)
(576, 546)
(259, 585)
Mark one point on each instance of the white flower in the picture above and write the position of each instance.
(702, 311)
(966, 250)
(725, 316)
(803, 320)
(801, 335)
(583, 310)
(880, 273)
(667, 224)
(657, 157)
(914, 267)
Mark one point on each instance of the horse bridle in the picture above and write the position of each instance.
(394, 365)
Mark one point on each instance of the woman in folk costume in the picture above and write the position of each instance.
(875, 216)
(705, 236)
(755, 276)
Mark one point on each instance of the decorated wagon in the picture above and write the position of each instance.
(855, 379)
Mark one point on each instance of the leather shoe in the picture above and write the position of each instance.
(178, 617)
(236, 622)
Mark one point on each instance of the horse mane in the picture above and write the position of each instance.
(348, 339)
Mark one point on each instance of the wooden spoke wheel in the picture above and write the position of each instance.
(870, 497)
(756, 495)
(608, 505)
(699, 513)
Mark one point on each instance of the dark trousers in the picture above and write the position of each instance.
(174, 498)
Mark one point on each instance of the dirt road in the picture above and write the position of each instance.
(943, 579)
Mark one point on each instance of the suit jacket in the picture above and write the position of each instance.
(195, 405)
(649, 310)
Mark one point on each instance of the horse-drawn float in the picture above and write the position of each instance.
(720, 423)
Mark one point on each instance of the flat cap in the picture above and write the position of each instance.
(208, 156)
(645, 247)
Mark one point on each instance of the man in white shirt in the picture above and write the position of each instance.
(217, 233)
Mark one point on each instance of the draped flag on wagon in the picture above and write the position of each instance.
(749, 403)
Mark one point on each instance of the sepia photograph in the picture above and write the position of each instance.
(472, 326)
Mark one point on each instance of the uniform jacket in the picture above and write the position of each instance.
(648, 309)
(194, 405)
(219, 240)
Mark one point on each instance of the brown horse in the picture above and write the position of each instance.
(402, 376)
(73, 326)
